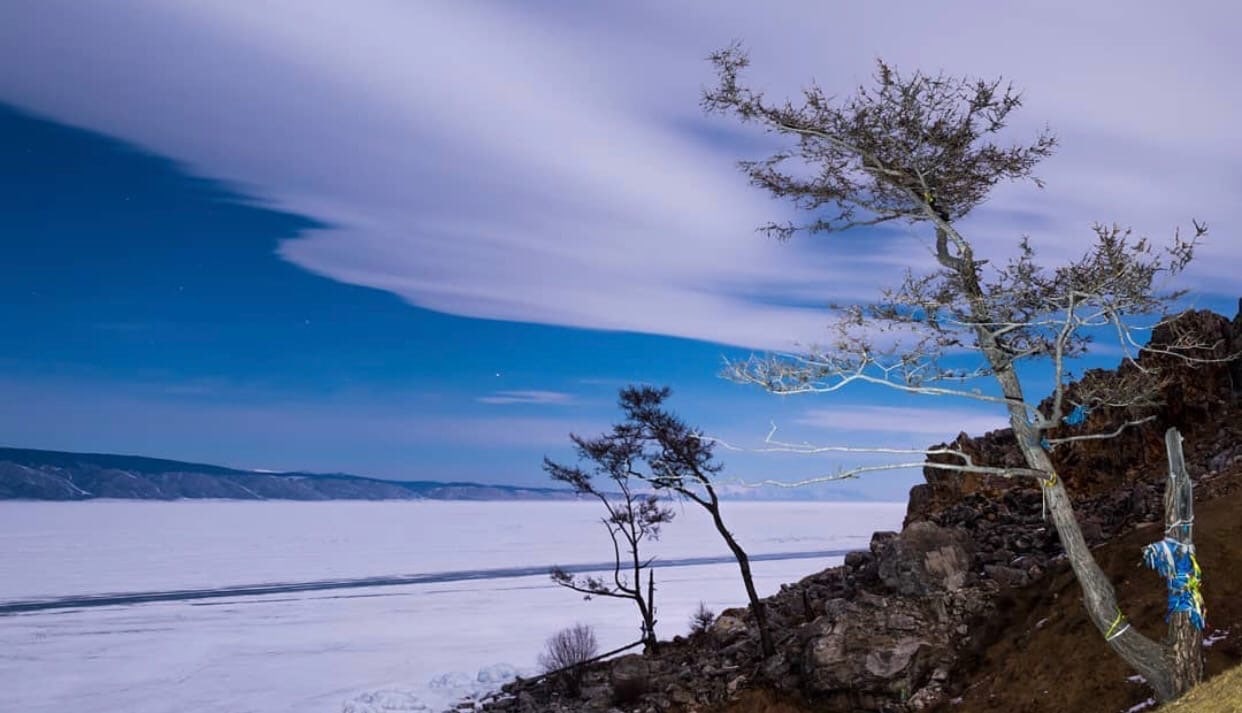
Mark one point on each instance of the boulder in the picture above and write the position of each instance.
(871, 649)
(729, 627)
(858, 559)
(924, 559)
(881, 540)
(630, 677)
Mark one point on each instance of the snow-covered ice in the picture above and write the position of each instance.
(441, 692)
(397, 648)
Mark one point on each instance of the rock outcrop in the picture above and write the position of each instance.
(1201, 400)
(924, 559)
(889, 629)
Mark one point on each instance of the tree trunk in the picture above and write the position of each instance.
(646, 605)
(1145, 656)
(1100, 599)
(1171, 668)
(649, 620)
(1185, 640)
(743, 563)
(1167, 668)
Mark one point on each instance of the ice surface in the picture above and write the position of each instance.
(362, 650)
(125, 546)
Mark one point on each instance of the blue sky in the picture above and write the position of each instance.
(426, 240)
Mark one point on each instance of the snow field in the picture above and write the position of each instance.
(365, 650)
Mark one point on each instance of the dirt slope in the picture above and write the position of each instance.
(1052, 659)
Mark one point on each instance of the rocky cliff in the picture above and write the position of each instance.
(911, 623)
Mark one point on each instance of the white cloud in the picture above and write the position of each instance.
(537, 398)
(548, 163)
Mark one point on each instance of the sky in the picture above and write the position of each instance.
(427, 240)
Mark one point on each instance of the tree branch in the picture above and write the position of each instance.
(1101, 436)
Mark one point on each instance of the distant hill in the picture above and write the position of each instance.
(27, 474)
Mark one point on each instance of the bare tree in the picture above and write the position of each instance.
(702, 619)
(565, 654)
(925, 150)
(632, 518)
(679, 459)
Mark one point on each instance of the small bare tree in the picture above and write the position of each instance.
(565, 653)
(679, 459)
(702, 619)
(924, 150)
(632, 518)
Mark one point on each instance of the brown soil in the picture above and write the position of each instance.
(764, 701)
(1051, 658)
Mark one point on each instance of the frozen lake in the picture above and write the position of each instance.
(317, 642)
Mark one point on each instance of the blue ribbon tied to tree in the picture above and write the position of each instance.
(1078, 416)
(1176, 562)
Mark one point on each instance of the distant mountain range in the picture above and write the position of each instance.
(27, 474)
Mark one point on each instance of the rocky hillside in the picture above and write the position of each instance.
(972, 607)
(52, 475)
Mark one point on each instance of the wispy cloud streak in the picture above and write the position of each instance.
(535, 398)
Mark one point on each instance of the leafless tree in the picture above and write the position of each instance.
(702, 619)
(565, 653)
(679, 459)
(924, 151)
(632, 518)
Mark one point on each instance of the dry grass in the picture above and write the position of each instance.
(1222, 694)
